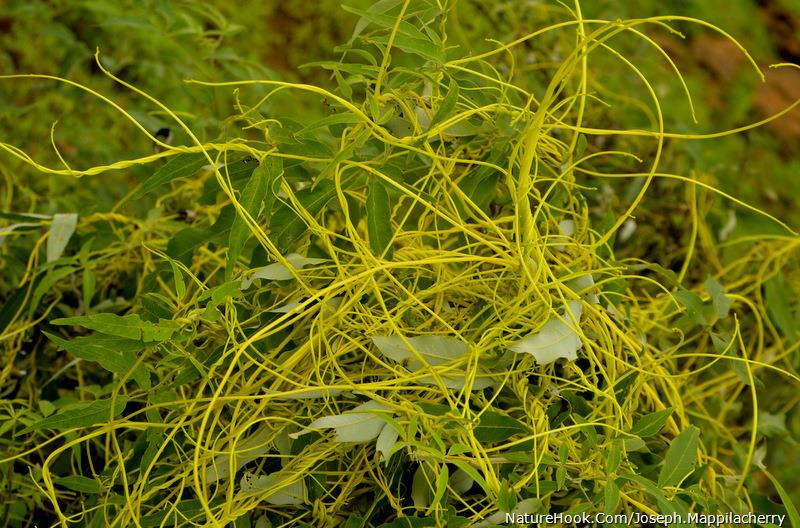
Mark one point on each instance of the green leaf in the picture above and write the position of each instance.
(584, 285)
(82, 415)
(286, 226)
(251, 198)
(46, 285)
(680, 458)
(777, 296)
(180, 285)
(179, 166)
(128, 326)
(47, 408)
(61, 230)
(420, 45)
(345, 118)
(183, 243)
(526, 506)
(580, 145)
(772, 425)
(13, 303)
(89, 285)
(380, 6)
(651, 424)
(563, 453)
(791, 509)
(667, 274)
(421, 493)
(385, 21)
(274, 175)
(219, 293)
(441, 485)
(459, 381)
(115, 354)
(721, 302)
(555, 340)
(479, 186)
(693, 305)
(610, 496)
(634, 444)
(506, 497)
(648, 486)
(78, 483)
(447, 105)
(496, 427)
(379, 220)
(614, 456)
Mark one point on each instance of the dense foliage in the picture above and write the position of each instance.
(473, 260)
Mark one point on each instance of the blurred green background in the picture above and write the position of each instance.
(155, 45)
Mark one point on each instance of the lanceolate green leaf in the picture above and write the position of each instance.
(420, 45)
(611, 496)
(46, 284)
(614, 456)
(128, 326)
(791, 508)
(650, 487)
(82, 415)
(721, 302)
(680, 458)
(651, 424)
(379, 219)
(385, 21)
(695, 309)
(78, 483)
(251, 198)
(496, 427)
(447, 105)
(179, 166)
(115, 354)
(286, 226)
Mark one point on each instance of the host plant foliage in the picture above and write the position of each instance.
(407, 312)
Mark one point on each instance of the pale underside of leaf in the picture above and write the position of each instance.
(434, 351)
(304, 394)
(353, 426)
(278, 271)
(557, 339)
(280, 490)
(386, 441)
(61, 230)
(246, 451)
